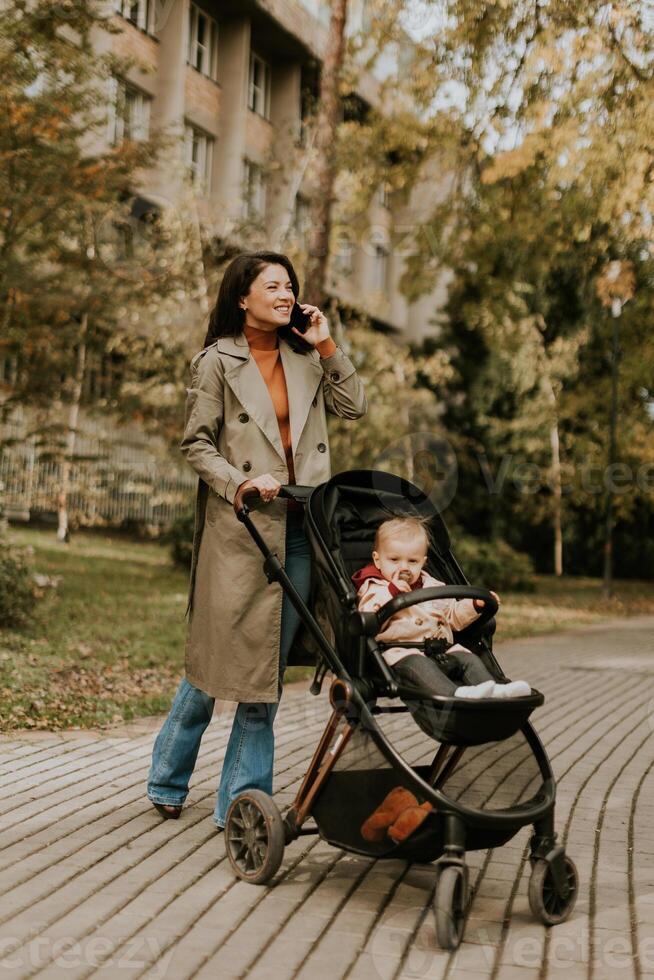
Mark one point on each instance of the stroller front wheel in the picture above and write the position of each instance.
(549, 903)
(254, 837)
(450, 905)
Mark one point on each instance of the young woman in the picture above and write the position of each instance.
(256, 416)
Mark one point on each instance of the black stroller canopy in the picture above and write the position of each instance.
(346, 512)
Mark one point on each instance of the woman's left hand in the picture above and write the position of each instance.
(318, 327)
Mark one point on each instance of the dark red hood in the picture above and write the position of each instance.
(371, 571)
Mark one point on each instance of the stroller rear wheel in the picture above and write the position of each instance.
(254, 837)
(450, 905)
(547, 902)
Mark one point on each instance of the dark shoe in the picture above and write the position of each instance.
(167, 810)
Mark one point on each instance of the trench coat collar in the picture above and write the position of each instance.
(303, 376)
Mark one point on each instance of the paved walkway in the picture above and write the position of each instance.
(94, 883)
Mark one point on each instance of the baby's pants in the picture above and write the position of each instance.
(452, 670)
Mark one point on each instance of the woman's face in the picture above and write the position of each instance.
(270, 300)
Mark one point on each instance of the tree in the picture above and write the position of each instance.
(548, 179)
(325, 171)
(89, 271)
(402, 410)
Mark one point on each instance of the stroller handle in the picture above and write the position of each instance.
(250, 497)
(438, 592)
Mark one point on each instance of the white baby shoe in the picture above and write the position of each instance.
(516, 689)
(476, 691)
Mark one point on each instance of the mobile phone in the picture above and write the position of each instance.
(299, 319)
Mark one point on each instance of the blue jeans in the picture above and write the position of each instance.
(249, 758)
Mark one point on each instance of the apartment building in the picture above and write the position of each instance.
(233, 82)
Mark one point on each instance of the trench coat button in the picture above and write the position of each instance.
(335, 376)
(322, 448)
(247, 466)
(419, 622)
(244, 417)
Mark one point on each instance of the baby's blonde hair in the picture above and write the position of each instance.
(402, 527)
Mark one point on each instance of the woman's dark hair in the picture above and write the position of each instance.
(227, 318)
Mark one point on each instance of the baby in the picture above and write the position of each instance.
(399, 556)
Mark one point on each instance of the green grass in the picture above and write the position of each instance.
(108, 645)
(570, 603)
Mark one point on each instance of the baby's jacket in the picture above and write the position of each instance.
(436, 618)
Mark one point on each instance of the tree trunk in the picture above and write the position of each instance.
(607, 585)
(405, 425)
(326, 126)
(556, 490)
(63, 533)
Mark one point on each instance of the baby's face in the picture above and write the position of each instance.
(401, 559)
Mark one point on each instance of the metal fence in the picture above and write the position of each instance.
(112, 481)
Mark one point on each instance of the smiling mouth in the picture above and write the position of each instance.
(283, 309)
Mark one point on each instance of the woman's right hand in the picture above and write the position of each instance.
(266, 484)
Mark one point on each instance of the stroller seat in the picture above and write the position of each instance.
(341, 521)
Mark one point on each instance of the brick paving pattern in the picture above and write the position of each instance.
(94, 883)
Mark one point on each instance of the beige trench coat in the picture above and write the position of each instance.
(231, 435)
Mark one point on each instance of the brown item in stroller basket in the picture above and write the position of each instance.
(398, 815)
(375, 827)
(408, 821)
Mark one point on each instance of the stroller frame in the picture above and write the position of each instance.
(253, 817)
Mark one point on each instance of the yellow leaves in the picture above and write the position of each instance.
(622, 15)
(17, 113)
(586, 46)
(617, 281)
(511, 162)
(551, 57)
(540, 113)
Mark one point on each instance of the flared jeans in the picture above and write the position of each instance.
(249, 758)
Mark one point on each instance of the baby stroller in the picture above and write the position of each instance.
(486, 778)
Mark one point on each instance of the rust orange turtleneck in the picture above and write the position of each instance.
(264, 346)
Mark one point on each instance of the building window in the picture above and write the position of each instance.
(199, 157)
(101, 377)
(203, 42)
(302, 218)
(380, 269)
(344, 255)
(259, 92)
(129, 241)
(9, 370)
(382, 195)
(307, 108)
(129, 117)
(255, 192)
(137, 13)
